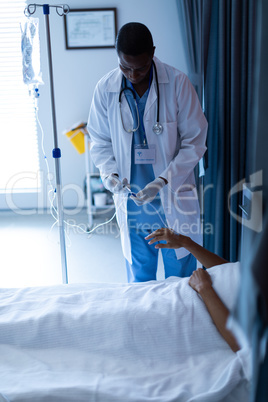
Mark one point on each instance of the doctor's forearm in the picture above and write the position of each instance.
(181, 167)
(165, 180)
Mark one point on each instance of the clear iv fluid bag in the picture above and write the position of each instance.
(30, 48)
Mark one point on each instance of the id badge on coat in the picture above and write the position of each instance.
(144, 154)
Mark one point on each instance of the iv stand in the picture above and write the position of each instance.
(56, 153)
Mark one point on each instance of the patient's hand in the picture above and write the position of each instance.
(200, 280)
(173, 240)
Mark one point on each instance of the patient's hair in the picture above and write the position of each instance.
(134, 39)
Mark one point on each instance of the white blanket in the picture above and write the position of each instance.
(151, 341)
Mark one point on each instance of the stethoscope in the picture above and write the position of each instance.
(157, 127)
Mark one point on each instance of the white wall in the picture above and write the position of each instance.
(76, 73)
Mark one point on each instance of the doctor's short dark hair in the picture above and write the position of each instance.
(134, 39)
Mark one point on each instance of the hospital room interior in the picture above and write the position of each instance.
(63, 260)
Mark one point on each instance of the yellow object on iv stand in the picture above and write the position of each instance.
(76, 137)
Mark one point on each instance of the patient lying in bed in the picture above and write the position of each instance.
(152, 341)
(200, 280)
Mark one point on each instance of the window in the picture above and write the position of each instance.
(19, 158)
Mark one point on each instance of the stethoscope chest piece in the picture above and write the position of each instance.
(157, 128)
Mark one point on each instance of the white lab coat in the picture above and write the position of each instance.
(178, 149)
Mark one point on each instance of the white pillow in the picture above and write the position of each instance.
(225, 280)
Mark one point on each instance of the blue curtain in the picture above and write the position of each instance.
(190, 16)
(229, 44)
(251, 309)
(222, 50)
(235, 62)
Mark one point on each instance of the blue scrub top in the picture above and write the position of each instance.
(143, 216)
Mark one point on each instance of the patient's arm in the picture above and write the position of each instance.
(174, 240)
(201, 282)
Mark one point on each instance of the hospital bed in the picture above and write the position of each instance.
(140, 342)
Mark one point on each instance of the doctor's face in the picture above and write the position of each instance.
(135, 68)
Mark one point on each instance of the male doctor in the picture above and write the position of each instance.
(148, 132)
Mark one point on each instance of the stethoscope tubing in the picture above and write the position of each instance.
(125, 88)
(157, 90)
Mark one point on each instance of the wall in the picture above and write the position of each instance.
(76, 73)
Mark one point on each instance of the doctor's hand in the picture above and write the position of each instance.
(114, 185)
(149, 192)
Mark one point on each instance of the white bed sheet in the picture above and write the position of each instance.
(141, 342)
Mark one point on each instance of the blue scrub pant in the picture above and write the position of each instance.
(145, 259)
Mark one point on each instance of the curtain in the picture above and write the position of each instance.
(251, 309)
(234, 46)
(222, 49)
(190, 17)
(229, 35)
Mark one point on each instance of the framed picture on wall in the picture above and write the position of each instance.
(90, 28)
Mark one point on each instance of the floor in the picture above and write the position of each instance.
(31, 250)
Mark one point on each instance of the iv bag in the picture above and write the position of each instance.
(30, 48)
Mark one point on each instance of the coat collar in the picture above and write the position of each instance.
(114, 83)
